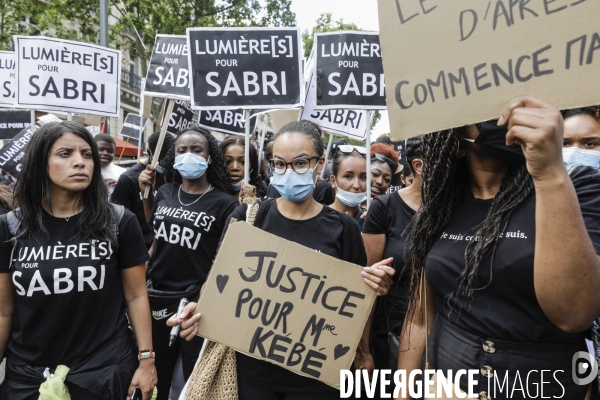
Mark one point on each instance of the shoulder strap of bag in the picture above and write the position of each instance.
(423, 302)
(14, 223)
(250, 198)
(119, 211)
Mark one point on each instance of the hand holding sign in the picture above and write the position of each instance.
(538, 128)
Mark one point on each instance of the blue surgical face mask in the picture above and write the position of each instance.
(351, 199)
(293, 186)
(236, 187)
(190, 165)
(575, 155)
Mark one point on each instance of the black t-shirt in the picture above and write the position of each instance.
(357, 217)
(3, 210)
(323, 193)
(323, 233)
(127, 193)
(69, 300)
(186, 236)
(507, 308)
(389, 215)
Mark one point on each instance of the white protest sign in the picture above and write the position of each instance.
(349, 71)
(63, 75)
(168, 74)
(453, 63)
(284, 303)
(8, 78)
(245, 68)
(348, 123)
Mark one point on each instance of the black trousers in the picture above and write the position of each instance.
(246, 392)
(104, 376)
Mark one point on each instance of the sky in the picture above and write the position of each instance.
(361, 12)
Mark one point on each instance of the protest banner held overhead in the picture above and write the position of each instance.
(454, 63)
(226, 121)
(247, 68)
(348, 123)
(12, 122)
(180, 118)
(131, 126)
(8, 78)
(349, 71)
(284, 303)
(168, 74)
(63, 75)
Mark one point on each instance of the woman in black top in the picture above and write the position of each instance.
(388, 217)
(233, 148)
(75, 267)
(509, 241)
(384, 163)
(349, 181)
(298, 217)
(188, 217)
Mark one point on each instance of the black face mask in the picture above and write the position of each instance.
(492, 140)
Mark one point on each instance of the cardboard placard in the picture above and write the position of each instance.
(226, 121)
(247, 68)
(168, 74)
(279, 118)
(8, 77)
(181, 117)
(284, 303)
(453, 63)
(12, 122)
(131, 126)
(348, 123)
(349, 71)
(63, 75)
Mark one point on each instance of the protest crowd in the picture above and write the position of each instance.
(281, 263)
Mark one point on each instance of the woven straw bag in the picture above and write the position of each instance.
(215, 374)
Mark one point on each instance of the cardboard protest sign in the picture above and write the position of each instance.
(279, 118)
(131, 126)
(453, 63)
(227, 121)
(8, 77)
(168, 74)
(181, 117)
(248, 68)
(11, 155)
(63, 75)
(349, 71)
(348, 123)
(12, 122)
(284, 303)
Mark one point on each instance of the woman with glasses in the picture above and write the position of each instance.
(296, 216)
(384, 163)
(188, 216)
(386, 221)
(349, 181)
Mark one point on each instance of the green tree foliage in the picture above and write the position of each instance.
(324, 23)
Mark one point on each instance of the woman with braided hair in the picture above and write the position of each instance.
(188, 217)
(507, 240)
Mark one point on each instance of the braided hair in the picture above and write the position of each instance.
(217, 173)
(444, 181)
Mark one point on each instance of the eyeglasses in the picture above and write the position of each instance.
(300, 165)
(381, 158)
(349, 149)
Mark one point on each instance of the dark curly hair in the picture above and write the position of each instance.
(444, 182)
(217, 173)
(414, 149)
(593, 112)
(254, 171)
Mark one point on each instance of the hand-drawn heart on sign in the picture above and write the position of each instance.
(340, 351)
(221, 282)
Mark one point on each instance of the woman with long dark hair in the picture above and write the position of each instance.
(386, 221)
(298, 217)
(508, 241)
(188, 216)
(71, 265)
(233, 148)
